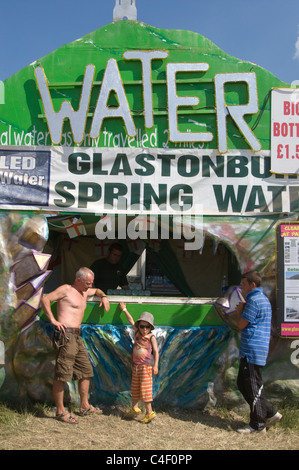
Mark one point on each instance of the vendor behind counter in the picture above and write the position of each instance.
(109, 273)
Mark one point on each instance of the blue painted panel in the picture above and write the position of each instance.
(187, 365)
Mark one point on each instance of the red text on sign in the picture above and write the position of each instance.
(286, 129)
(291, 108)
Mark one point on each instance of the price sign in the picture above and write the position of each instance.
(287, 279)
(285, 130)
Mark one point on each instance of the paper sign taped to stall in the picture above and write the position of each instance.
(231, 300)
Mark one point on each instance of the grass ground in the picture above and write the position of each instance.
(35, 428)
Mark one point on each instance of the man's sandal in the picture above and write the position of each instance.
(66, 418)
(90, 411)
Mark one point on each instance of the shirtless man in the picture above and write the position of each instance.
(72, 358)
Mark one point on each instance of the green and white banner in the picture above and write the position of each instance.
(157, 181)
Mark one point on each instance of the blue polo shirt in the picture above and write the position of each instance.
(255, 337)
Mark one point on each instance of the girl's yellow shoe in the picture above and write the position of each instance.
(133, 412)
(148, 418)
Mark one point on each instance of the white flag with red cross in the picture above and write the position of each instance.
(74, 227)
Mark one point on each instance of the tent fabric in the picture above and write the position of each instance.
(231, 245)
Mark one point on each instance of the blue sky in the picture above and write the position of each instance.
(262, 31)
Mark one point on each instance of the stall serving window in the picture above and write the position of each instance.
(153, 267)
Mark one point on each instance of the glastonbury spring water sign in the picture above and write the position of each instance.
(173, 125)
(115, 180)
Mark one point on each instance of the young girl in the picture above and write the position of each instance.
(145, 363)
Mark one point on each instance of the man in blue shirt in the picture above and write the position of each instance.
(255, 326)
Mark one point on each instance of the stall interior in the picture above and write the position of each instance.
(154, 267)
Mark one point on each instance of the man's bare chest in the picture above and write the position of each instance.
(74, 301)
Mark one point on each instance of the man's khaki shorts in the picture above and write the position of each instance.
(72, 359)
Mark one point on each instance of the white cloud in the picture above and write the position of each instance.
(296, 55)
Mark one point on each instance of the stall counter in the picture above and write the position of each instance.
(167, 311)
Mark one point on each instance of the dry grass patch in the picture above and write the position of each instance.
(37, 429)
